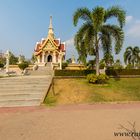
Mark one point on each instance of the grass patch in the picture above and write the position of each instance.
(50, 100)
(75, 91)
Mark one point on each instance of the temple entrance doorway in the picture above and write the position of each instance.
(49, 59)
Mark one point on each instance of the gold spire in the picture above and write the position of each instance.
(50, 32)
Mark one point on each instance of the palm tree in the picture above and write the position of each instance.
(108, 59)
(96, 31)
(132, 55)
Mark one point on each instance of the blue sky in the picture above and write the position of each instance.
(24, 22)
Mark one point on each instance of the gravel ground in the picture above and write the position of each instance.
(69, 122)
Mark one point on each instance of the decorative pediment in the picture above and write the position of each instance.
(49, 45)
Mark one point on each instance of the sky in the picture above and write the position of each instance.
(25, 22)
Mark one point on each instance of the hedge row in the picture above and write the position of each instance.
(111, 72)
(73, 72)
(117, 72)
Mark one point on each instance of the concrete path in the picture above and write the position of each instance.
(71, 122)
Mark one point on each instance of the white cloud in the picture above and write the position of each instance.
(70, 42)
(137, 21)
(134, 30)
(129, 19)
(70, 49)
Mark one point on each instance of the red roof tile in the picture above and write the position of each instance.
(42, 41)
(56, 41)
(62, 47)
(37, 47)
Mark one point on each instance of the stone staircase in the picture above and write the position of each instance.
(42, 70)
(23, 90)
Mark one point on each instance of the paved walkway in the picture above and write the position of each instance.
(71, 122)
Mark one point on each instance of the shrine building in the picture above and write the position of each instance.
(50, 49)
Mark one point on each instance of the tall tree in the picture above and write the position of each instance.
(96, 31)
(132, 55)
(13, 60)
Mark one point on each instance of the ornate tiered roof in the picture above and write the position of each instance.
(50, 43)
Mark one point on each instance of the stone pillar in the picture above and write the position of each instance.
(54, 57)
(19, 59)
(38, 58)
(60, 60)
(7, 60)
(43, 54)
(61, 64)
(44, 57)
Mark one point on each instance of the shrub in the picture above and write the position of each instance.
(102, 65)
(110, 68)
(92, 78)
(1, 65)
(64, 64)
(23, 65)
(73, 72)
(100, 79)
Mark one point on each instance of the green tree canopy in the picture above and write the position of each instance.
(96, 31)
(132, 56)
(13, 60)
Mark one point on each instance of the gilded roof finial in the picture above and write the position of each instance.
(50, 32)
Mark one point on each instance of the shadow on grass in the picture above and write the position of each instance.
(50, 99)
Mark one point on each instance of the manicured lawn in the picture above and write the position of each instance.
(74, 91)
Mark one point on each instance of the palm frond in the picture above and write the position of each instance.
(81, 13)
(84, 41)
(98, 17)
(80, 35)
(118, 12)
(106, 41)
(89, 40)
(117, 34)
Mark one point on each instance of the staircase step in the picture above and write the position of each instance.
(17, 103)
(22, 94)
(24, 90)
(34, 91)
(18, 85)
(18, 97)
